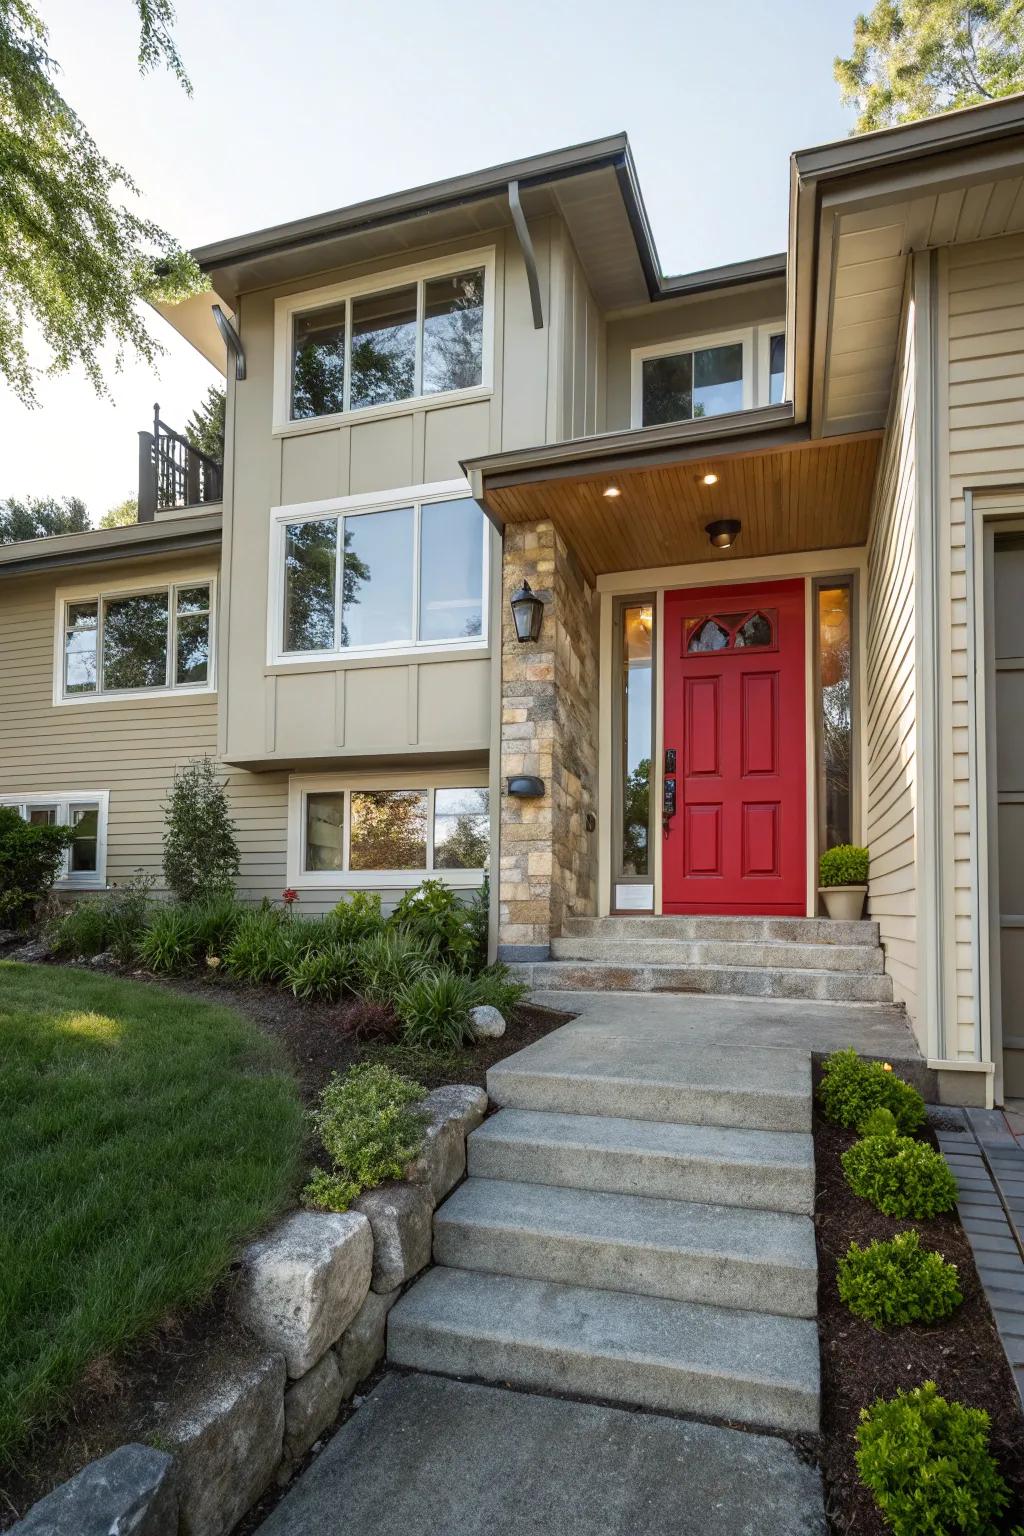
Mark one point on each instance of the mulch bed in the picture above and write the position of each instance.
(859, 1363)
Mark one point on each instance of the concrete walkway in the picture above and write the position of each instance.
(425, 1455)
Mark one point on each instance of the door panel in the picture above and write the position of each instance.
(734, 714)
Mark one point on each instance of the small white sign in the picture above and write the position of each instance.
(634, 898)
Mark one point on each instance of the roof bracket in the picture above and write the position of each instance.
(529, 255)
(232, 340)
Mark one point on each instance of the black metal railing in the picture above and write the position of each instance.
(172, 473)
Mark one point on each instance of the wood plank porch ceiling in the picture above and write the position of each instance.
(811, 495)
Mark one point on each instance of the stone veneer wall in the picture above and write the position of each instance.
(548, 728)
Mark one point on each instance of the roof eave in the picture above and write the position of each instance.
(100, 545)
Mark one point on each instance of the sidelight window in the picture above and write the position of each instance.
(835, 713)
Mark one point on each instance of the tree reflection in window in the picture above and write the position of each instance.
(453, 332)
(708, 636)
(462, 828)
(135, 641)
(383, 348)
(388, 829)
(756, 630)
(318, 370)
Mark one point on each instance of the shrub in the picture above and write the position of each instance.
(852, 1088)
(434, 915)
(388, 961)
(371, 1021)
(880, 1122)
(928, 1465)
(844, 865)
(370, 1131)
(901, 1177)
(200, 846)
(890, 1283)
(321, 975)
(30, 860)
(169, 943)
(434, 1009)
(358, 916)
(256, 946)
(81, 930)
(479, 910)
(498, 988)
(127, 909)
(216, 921)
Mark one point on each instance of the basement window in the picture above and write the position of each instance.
(85, 812)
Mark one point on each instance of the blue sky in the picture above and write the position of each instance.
(297, 109)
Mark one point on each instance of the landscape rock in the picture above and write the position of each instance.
(131, 1492)
(302, 1284)
(486, 1023)
(227, 1443)
(401, 1217)
(104, 960)
(34, 949)
(310, 1405)
(362, 1344)
(452, 1113)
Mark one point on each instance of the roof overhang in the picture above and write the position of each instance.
(135, 541)
(789, 492)
(858, 209)
(193, 319)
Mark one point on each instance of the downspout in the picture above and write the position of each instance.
(529, 255)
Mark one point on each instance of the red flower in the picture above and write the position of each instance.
(289, 896)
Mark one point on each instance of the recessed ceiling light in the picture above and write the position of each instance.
(612, 491)
(709, 479)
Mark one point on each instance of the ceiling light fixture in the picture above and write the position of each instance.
(612, 491)
(724, 533)
(709, 479)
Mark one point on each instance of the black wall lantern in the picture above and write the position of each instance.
(527, 613)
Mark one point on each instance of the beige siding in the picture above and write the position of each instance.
(582, 352)
(891, 691)
(983, 299)
(128, 748)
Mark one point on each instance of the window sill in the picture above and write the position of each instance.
(135, 696)
(381, 879)
(335, 661)
(383, 412)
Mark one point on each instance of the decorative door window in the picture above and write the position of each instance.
(712, 633)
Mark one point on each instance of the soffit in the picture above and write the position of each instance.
(865, 239)
(811, 495)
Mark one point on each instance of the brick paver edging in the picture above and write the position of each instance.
(989, 1168)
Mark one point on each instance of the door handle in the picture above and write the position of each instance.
(668, 804)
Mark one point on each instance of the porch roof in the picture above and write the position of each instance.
(789, 492)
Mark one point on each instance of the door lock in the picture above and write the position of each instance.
(668, 804)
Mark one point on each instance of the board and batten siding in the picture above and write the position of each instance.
(129, 747)
(890, 687)
(981, 298)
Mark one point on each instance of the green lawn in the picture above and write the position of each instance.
(142, 1135)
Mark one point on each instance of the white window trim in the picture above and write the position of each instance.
(765, 332)
(286, 309)
(129, 587)
(301, 785)
(697, 343)
(63, 800)
(353, 506)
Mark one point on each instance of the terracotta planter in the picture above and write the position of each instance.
(843, 903)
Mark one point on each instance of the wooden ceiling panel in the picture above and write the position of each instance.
(808, 496)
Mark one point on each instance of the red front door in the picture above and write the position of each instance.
(735, 761)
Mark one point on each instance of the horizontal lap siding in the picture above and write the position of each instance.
(130, 748)
(985, 372)
(891, 694)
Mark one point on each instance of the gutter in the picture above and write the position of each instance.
(101, 545)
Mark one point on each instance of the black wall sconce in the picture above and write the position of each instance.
(527, 613)
(525, 787)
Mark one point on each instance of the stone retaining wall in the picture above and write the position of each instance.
(314, 1293)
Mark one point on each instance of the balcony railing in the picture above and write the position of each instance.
(172, 473)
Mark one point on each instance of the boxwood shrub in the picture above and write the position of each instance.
(896, 1282)
(927, 1463)
(851, 1088)
(900, 1176)
(844, 865)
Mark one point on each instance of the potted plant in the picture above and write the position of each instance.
(843, 877)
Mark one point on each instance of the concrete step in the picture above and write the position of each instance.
(704, 929)
(644, 1351)
(851, 959)
(769, 1170)
(678, 1249)
(709, 980)
(576, 1073)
